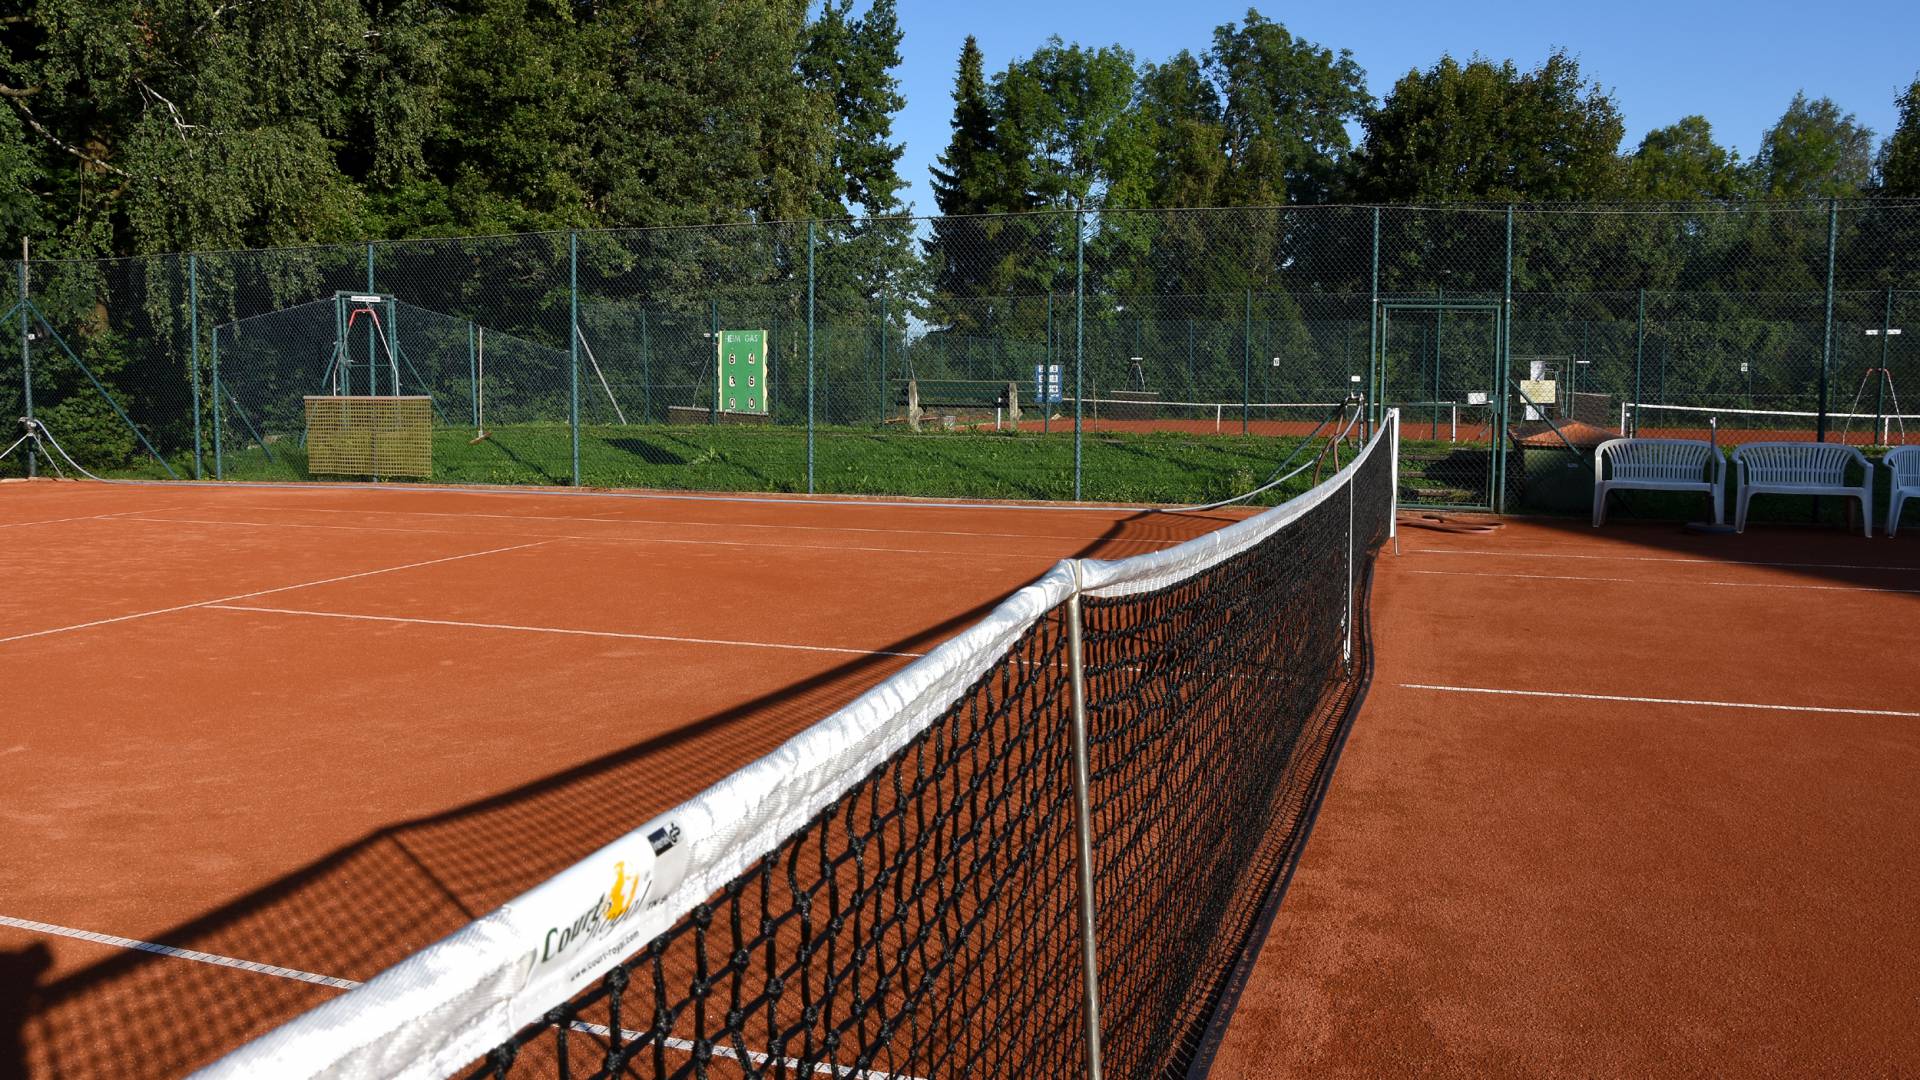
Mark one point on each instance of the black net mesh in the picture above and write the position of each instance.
(924, 924)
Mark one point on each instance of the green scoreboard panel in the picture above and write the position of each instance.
(743, 376)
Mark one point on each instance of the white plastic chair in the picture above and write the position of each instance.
(1658, 465)
(1792, 468)
(1904, 463)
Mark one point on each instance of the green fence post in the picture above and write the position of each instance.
(1503, 333)
(1886, 375)
(880, 404)
(219, 451)
(193, 352)
(713, 315)
(1376, 348)
(1826, 344)
(573, 349)
(1639, 356)
(373, 354)
(473, 379)
(1047, 352)
(1246, 370)
(26, 352)
(809, 357)
(646, 371)
(1079, 335)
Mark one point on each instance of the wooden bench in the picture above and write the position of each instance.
(1788, 468)
(1904, 463)
(1658, 465)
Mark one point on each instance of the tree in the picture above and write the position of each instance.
(1180, 106)
(164, 125)
(1681, 162)
(1814, 151)
(1285, 106)
(1486, 131)
(851, 61)
(1064, 122)
(1897, 172)
(965, 178)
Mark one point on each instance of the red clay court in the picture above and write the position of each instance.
(1619, 802)
(315, 729)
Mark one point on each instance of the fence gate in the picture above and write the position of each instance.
(1440, 362)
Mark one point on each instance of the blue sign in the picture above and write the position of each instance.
(1046, 384)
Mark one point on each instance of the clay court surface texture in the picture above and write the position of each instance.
(1621, 802)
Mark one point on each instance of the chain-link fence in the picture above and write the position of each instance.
(1119, 354)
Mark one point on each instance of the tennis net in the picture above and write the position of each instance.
(896, 892)
(1736, 426)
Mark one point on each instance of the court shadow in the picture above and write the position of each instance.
(366, 905)
(20, 973)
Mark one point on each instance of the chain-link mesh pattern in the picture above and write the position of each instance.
(1110, 354)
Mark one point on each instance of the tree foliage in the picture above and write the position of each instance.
(1815, 150)
(1487, 131)
(1681, 162)
(1897, 170)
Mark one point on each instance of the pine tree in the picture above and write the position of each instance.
(966, 182)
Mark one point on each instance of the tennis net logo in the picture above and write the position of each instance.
(613, 906)
(639, 878)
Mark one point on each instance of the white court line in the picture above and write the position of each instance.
(178, 954)
(1658, 582)
(701, 524)
(263, 592)
(597, 539)
(1658, 700)
(1663, 559)
(563, 630)
(90, 517)
(296, 975)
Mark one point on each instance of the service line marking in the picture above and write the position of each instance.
(600, 539)
(90, 517)
(566, 630)
(1663, 559)
(1663, 583)
(265, 592)
(707, 524)
(194, 955)
(296, 975)
(1636, 700)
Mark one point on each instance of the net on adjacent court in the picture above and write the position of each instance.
(894, 891)
(1735, 426)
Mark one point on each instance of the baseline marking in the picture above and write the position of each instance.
(296, 975)
(1646, 581)
(264, 592)
(594, 539)
(1663, 559)
(194, 955)
(570, 631)
(1631, 699)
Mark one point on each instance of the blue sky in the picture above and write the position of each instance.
(1736, 64)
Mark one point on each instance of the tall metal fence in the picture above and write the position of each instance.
(1111, 354)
